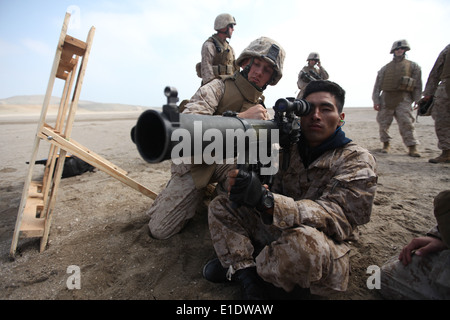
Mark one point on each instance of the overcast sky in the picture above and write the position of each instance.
(140, 47)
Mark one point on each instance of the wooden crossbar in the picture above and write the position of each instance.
(95, 160)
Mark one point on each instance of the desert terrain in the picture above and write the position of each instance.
(100, 224)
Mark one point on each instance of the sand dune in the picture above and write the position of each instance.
(32, 104)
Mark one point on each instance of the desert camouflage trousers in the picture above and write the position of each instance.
(177, 203)
(405, 120)
(441, 116)
(424, 278)
(286, 258)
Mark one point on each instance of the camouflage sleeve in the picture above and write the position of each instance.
(345, 202)
(435, 74)
(236, 67)
(299, 80)
(377, 86)
(417, 75)
(300, 83)
(323, 73)
(208, 52)
(206, 99)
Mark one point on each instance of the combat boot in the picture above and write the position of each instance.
(252, 285)
(214, 272)
(443, 158)
(413, 151)
(386, 147)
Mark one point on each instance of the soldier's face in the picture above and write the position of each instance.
(230, 30)
(399, 52)
(260, 72)
(323, 119)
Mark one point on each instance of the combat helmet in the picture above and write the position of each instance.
(313, 56)
(270, 51)
(223, 20)
(400, 44)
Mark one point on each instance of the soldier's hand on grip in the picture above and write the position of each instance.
(246, 190)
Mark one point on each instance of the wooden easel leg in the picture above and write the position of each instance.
(44, 110)
(52, 198)
(24, 198)
(59, 124)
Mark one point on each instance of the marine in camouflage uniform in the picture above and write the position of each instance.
(218, 58)
(177, 203)
(312, 71)
(318, 202)
(398, 85)
(422, 270)
(438, 85)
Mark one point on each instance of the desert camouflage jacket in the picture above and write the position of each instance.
(206, 99)
(320, 71)
(416, 74)
(334, 194)
(436, 72)
(210, 58)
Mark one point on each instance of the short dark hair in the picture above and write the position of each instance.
(327, 86)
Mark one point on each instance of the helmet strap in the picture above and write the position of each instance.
(247, 68)
(227, 32)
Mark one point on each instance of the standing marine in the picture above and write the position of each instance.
(398, 85)
(312, 71)
(438, 86)
(218, 58)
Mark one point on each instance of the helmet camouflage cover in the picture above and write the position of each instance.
(400, 44)
(223, 20)
(267, 49)
(313, 56)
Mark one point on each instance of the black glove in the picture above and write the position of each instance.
(248, 191)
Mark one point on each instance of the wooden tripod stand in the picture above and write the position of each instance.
(39, 197)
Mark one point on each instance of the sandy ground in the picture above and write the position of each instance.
(100, 224)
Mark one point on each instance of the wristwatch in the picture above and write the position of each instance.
(267, 200)
(230, 113)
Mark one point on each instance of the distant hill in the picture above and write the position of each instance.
(33, 104)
